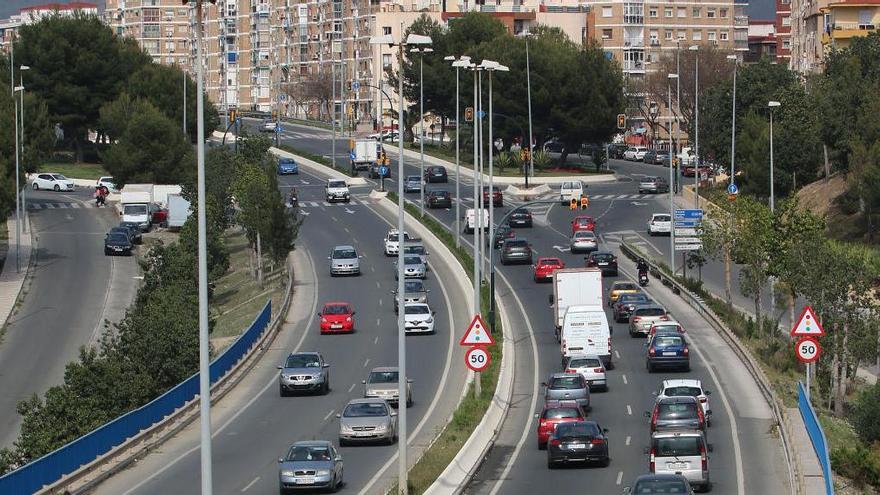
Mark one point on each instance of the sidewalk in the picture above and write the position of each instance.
(11, 279)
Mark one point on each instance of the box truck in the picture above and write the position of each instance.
(366, 152)
(135, 203)
(574, 287)
(178, 211)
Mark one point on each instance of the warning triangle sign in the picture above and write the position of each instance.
(807, 325)
(477, 333)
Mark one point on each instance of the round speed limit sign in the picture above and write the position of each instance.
(477, 359)
(807, 350)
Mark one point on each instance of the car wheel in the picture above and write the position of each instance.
(56, 188)
(542, 446)
(409, 402)
(326, 387)
(605, 462)
(334, 485)
(36, 187)
(650, 367)
(282, 392)
(550, 464)
(343, 443)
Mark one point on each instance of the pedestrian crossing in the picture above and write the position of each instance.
(59, 206)
(317, 204)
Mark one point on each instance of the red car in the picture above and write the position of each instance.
(497, 197)
(583, 222)
(158, 215)
(690, 171)
(337, 317)
(555, 412)
(545, 267)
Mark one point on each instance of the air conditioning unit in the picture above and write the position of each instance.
(314, 18)
(715, 42)
(316, 37)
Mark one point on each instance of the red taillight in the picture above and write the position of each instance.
(598, 370)
(700, 415)
(597, 441)
(543, 425)
(636, 319)
(704, 460)
(651, 464)
(554, 442)
(686, 351)
(664, 318)
(569, 370)
(654, 419)
(704, 400)
(651, 351)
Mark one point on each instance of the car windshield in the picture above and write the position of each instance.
(677, 446)
(682, 391)
(677, 410)
(517, 243)
(661, 218)
(584, 363)
(287, 161)
(302, 361)
(520, 211)
(650, 312)
(550, 262)
(566, 382)
(437, 170)
(365, 409)
(393, 236)
(337, 309)
(667, 341)
(336, 183)
(128, 225)
(383, 377)
(413, 286)
(413, 178)
(308, 453)
(340, 254)
(412, 260)
(571, 185)
(665, 328)
(660, 487)
(561, 412)
(633, 298)
(584, 221)
(135, 210)
(603, 256)
(417, 249)
(439, 194)
(577, 430)
(649, 179)
(416, 309)
(624, 286)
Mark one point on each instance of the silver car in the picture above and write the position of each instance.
(304, 372)
(310, 465)
(414, 291)
(681, 452)
(413, 267)
(382, 384)
(590, 367)
(344, 260)
(568, 386)
(653, 185)
(644, 316)
(367, 420)
(584, 240)
(416, 249)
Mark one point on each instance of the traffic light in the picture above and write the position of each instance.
(232, 115)
(573, 204)
(525, 155)
(469, 114)
(585, 202)
(621, 121)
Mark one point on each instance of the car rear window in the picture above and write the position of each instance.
(561, 412)
(577, 430)
(682, 391)
(584, 234)
(413, 286)
(584, 363)
(668, 341)
(337, 309)
(661, 218)
(549, 262)
(677, 446)
(603, 257)
(650, 487)
(341, 254)
(518, 243)
(650, 312)
(677, 410)
(633, 298)
(625, 286)
(567, 382)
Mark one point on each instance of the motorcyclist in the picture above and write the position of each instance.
(642, 266)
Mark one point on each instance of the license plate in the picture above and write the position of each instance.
(578, 446)
(670, 353)
(363, 433)
(305, 481)
(336, 326)
(603, 263)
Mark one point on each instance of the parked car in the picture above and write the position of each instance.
(344, 260)
(51, 181)
(520, 217)
(382, 383)
(554, 413)
(621, 287)
(497, 197)
(337, 317)
(578, 441)
(137, 235)
(606, 262)
(516, 251)
(412, 184)
(659, 484)
(117, 243)
(583, 222)
(314, 464)
(438, 198)
(436, 173)
(677, 413)
(304, 372)
(367, 420)
(649, 157)
(588, 366)
(668, 350)
(635, 153)
(413, 267)
(287, 166)
(654, 185)
(626, 304)
(682, 453)
(644, 316)
(418, 318)
(616, 151)
(660, 223)
(501, 234)
(583, 240)
(687, 387)
(545, 267)
(568, 386)
(414, 291)
(107, 182)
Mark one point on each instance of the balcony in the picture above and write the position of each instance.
(741, 21)
(633, 19)
(846, 31)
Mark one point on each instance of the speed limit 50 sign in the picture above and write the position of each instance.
(807, 350)
(477, 359)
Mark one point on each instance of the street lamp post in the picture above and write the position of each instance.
(415, 40)
(531, 167)
(677, 102)
(478, 206)
(463, 61)
(333, 112)
(23, 203)
(672, 119)
(491, 66)
(733, 121)
(771, 105)
(421, 51)
(17, 187)
(695, 49)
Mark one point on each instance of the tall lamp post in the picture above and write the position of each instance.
(491, 66)
(733, 121)
(17, 186)
(478, 203)
(771, 105)
(21, 69)
(421, 51)
(531, 167)
(463, 61)
(411, 40)
(695, 49)
(672, 119)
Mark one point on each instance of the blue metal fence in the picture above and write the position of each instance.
(85, 449)
(817, 437)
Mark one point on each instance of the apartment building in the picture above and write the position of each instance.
(848, 19)
(783, 31)
(762, 41)
(27, 15)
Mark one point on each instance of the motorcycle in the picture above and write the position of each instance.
(643, 278)
(293, 199)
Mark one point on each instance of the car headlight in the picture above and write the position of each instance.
(323, 320)
(346, 428)
(323, 472)
(429, 320)
(381, 428)
(348, 319)
(317, 376)
(371, 392)
(287, 472)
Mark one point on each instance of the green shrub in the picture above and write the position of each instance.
(857, 463)
(866, 414)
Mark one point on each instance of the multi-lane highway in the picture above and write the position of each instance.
(48, 328)
(254, 425)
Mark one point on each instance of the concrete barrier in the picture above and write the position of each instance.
(318, 167)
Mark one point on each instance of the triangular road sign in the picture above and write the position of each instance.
(477, 333)
(807, 325)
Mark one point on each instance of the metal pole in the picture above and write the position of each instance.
(531, 168)
(671, 203)
(204, 358)
(491, 246)
(677, 102)
(421, 132)
(333, 112)
(482, 153)
(772, 198)
(478, 226)
(808, 382)
(402, 465)
(457, 163)
(697, 132)
(733, 127)
(342, 97)
(184, 103)
(23, 189)
(17, 190)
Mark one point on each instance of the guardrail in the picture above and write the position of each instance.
(69, 458)
(795, 476)
(817, 436)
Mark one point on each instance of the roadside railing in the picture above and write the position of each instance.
(817, 436)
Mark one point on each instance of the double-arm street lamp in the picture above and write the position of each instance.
(733, 120)
(458, 63)
(672, 120)
(412, 40)
(695, 49)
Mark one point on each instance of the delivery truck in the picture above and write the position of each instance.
(135, 204)
(179, 210)
(365, 153)
(574, 287)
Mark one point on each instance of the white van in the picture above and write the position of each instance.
(585, 330)
(471, 221)
(571, 189)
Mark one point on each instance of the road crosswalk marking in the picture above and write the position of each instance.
(55, 205)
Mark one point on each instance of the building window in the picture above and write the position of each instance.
(151, 15)
(786, 20)
(386, 60)
(169, 13)
(169, 60)
(711, 36)
(386, 30)
(723, 35)
(181, 29)
(151, 31)
(151, 46)
(786, 44)
(682, 35)
(681, 12)
(652, 12)
(606, 11)
(667, 34)
(654, 36)
(169, 46)
(667, 12)
(606, 34)
(181, 11)
(697, 35)
(695, 12)
(722, 13)
(710, 13)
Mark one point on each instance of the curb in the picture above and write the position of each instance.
(17, 284)
(91, 475)
(324, 169)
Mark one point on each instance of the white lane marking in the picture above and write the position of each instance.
(330, 413)
(378, 284)
(346, 230)
(616, 354)
(628, 440)
(376, 340)
(334, 218)
(249, 485)
(325, 203)
(629, 410)
(380, 302)
(624, 380)
(377, 323)
(270, 383)
(366, 362)
(373, 269)
(619, 477)
(353, 385)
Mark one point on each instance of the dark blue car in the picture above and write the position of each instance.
(668, 350)
(287, 166)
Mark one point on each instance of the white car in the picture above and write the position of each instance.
(392, 242)
(418, 318)
(267, 126)
(661, 223)
(590, 367)
(687, 157)
(51, 181)
(687, 388)
(571, 190)
(108, 183)
(337, 190)
(635, 153)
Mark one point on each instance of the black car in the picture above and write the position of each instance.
(117, 243)
(516, 251)
(438, 199)
(137, 235)
(502, 233)
(657, 484)
(124, 230)
(625, 305)
(578, 441)
(606, 262)
(436, 173)
(650, 156)
(520, 217)
(616, 151)
(374, 172)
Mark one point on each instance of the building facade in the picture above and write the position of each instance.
(762, 41)
(27, 15)
(783, 31)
